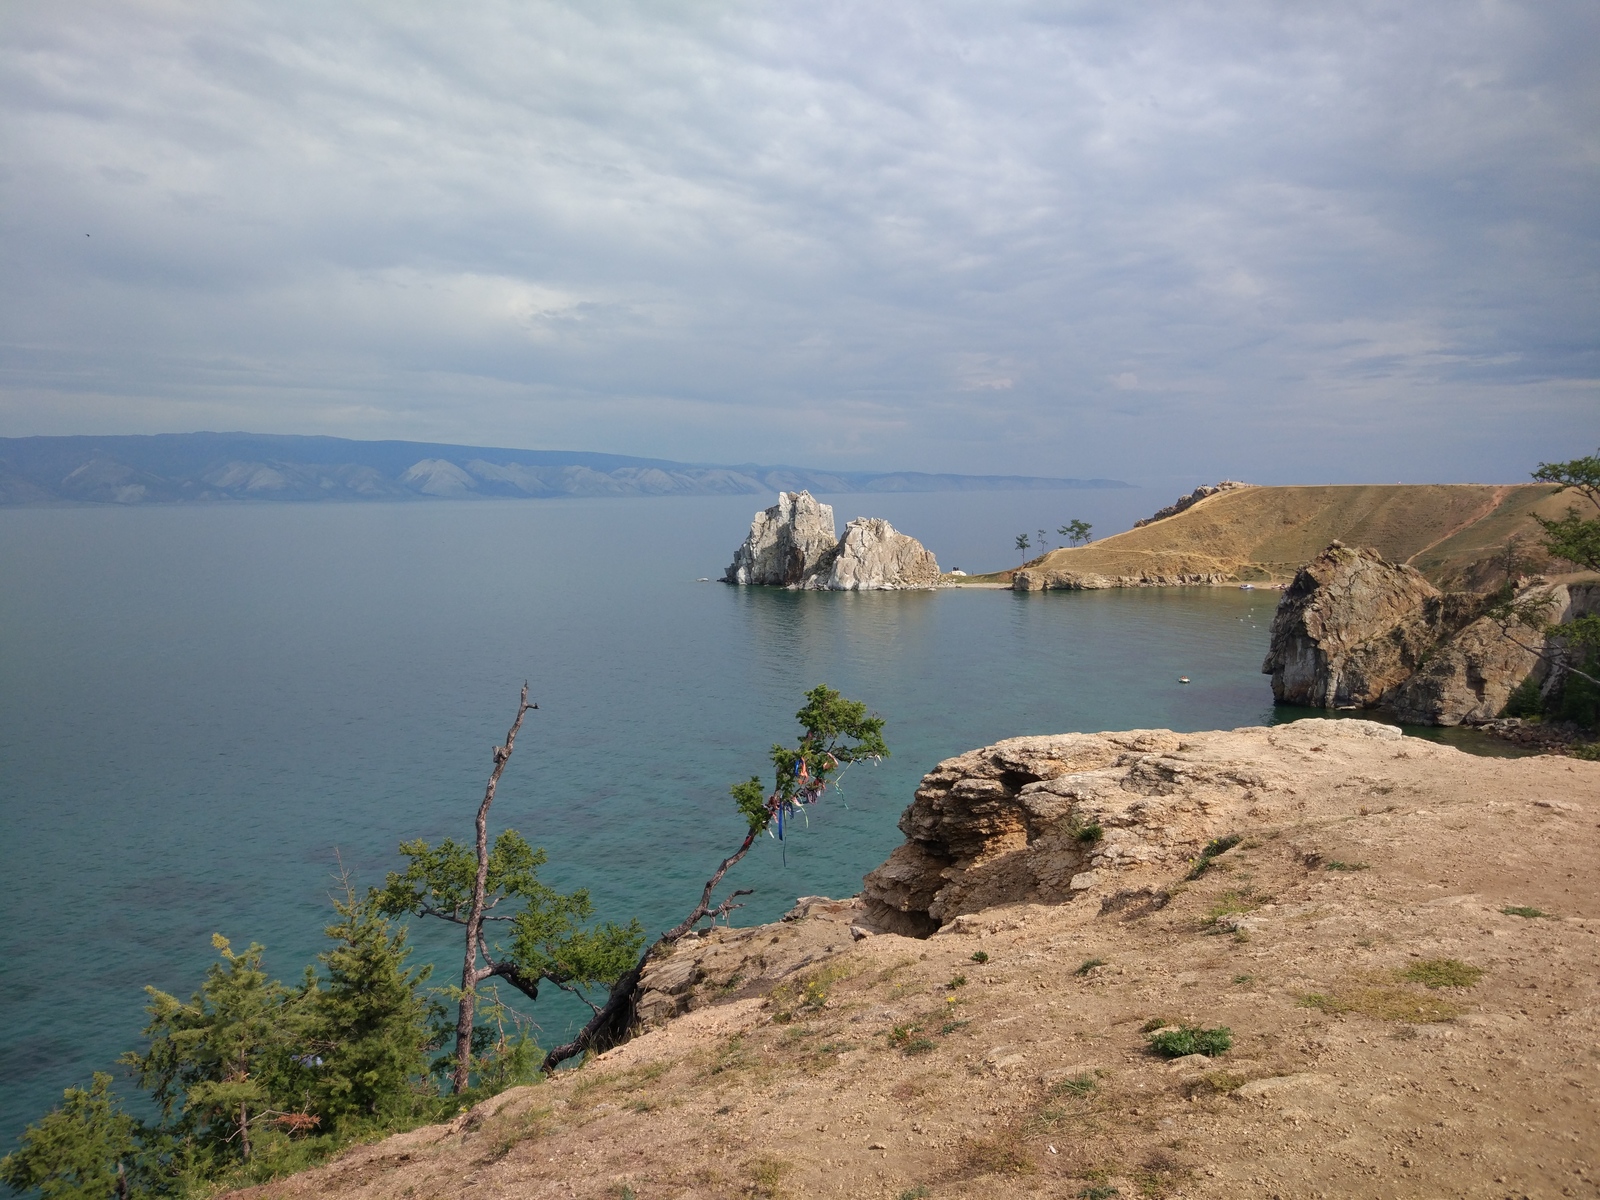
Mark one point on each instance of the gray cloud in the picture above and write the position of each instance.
(1167, 240)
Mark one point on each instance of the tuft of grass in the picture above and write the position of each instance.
(978, 956)
(766, 1175)
(1443, 973)
(956, 981)
(1242, 979)
(1153, 1024)
(1523, 910)
(1191, 1039)
(1383, 1004)
(902, 1036)
(1098, 1191)
(1003, 1154)
(1088, 965)
(920, 1192)
(1089, 834)
(1334, 864)
(1077, 1085)
(1214, 849)
(1231, 902)
(919, 1045)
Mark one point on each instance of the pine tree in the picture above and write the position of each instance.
(77, 1151)
(215, 1064)
(368, 1030)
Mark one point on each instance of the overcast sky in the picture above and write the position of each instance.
(1281, 242)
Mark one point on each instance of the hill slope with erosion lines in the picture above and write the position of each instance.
(1404, 943)
(1453, 533)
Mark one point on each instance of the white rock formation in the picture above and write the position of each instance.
(792, 545)
(789, 544)
(874, 556)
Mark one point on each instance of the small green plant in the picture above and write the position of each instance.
(1088, 965)
(901, 1035)
(1241, 979)
(1098, 1191)
(956, 981)
(1214, 849)
(1333, 864)
(920, 1192)
(1523, 910)
(1089, 834)
(950, 1027)
(978, 956)
(1191, 1039)
(1443, 973)
(1153, 1024)
(1588, 751)
(766, 1175)
(919, 1045)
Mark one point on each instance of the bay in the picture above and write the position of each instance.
(204, 710)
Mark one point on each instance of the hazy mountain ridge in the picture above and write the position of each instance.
(211, 467)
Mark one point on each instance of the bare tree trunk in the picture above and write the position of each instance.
(614, 1019)
(470, 973)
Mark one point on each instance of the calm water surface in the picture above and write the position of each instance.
(201, 707)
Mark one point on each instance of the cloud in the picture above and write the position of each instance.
(1153, 240)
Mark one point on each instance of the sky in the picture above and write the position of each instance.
(1165, 241)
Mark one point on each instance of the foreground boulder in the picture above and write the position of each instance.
(789, 544)
(792, 545)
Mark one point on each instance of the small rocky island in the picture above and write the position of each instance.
(793, 545)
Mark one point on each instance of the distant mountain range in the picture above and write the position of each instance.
(167, 468)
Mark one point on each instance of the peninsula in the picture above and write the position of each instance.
(1456, 535)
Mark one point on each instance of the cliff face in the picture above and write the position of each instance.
(792, 545)
(874, 556)
(1350, 627)
(1357, 631)
(788, 544)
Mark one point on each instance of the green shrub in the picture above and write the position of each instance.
(1525, 701)
(978, 956)
(1088, 965)
(1191, 1039)
(1523, 910)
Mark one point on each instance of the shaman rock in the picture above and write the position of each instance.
(874, 556)
(789, 544)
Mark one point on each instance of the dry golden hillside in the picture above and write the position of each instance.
(1453, 533)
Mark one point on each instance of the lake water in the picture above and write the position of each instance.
(200, 707)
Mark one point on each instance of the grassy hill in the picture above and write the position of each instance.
(1454, 534)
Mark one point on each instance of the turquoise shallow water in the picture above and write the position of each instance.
(200, 707)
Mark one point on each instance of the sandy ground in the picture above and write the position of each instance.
(812, 1064)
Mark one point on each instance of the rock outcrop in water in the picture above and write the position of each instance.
(789, 544)
(874, 556)
(792, 545)
(1357, 631)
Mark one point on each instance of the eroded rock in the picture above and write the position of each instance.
(788, 544)
(874, 556)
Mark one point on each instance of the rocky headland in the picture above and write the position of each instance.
(793, 545)
(1461, 537)
(1355, 630)
(1402, 941)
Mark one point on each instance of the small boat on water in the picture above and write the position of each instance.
(1247, 587)
(1183, 679)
